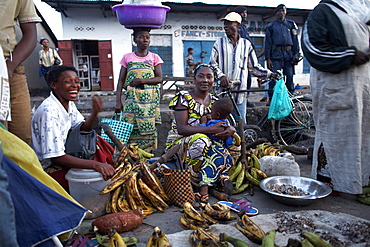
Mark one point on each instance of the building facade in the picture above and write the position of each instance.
(94, 41)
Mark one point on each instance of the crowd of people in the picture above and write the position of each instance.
(335, 41)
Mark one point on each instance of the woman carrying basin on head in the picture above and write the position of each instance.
(140, 76)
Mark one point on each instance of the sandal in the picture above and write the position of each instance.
(240, 205)
(333, 192)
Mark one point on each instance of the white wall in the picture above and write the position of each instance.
(89, 23)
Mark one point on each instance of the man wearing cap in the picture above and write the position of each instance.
(281, 45)
(234, 57)
(243, 32)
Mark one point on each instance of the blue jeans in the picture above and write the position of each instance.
(288, 71)
(243, 112)
(8, 236)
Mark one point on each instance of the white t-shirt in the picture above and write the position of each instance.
(50, 125)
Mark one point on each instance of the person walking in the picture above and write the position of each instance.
(244, 33)
(232, 50)
(281, 46)
(48, 57)
(24, 13)
(335, 41)
(190, 65)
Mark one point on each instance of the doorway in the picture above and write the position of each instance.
(202, 51)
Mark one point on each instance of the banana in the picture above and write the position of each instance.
(235, 174)
(195, 222)
(149, 210)
(123, 205)
(153, 182)
(260, 174)
(240, 179)
(256, 161)
(217, 214)
(234, 241)
(186, 224)
(241, 188)
(191, 212)
(119, 240)
(210, 238)
(251, 179)
(239, 225)
(116, 183)
(254, 173)
(108, 207)
(306, 243)
(132, 188)
(162, 240)
(209, 219)
(145, 154)
(130, 200)
(114, 199)
(269, 239)
(250, 229)
(154, 198)
(316, 240)
(121, 156)
(124, 168)
(152, 241)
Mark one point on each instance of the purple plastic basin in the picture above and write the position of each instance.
(138, 15)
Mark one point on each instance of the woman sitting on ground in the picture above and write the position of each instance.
(52, 121)
(190, 107)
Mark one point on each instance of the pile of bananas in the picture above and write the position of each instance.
(244, 175)
(134, 186)
(211, 214)
(266, 148)
(158, 239)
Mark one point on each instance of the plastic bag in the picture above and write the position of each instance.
(4, 90)
(281, 105)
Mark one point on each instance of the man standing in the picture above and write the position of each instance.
(23, 12)
(234, 57)
(243, 32)
(335, 41)
(190, 63)
(281, 45)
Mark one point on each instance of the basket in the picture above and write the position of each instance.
(122, 130)
(177, 186)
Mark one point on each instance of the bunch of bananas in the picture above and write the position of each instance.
(242, 176)
(211, 213)
(200, 238)
(250, 229)
(266, 148)
(135, 187)
(158, 239)
(131, 153)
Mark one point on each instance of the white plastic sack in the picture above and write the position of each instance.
(279, 166)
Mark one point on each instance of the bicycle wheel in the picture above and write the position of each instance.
(298, 128)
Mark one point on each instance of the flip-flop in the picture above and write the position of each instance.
(249, 210)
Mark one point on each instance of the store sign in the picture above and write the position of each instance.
(210, 34)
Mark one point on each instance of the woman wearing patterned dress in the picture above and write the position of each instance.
(209, 162)
(140, 75)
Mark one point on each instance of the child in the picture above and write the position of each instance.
(220, 110)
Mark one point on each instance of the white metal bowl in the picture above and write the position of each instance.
(316, 189)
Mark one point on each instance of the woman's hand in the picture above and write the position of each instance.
(136, 82)
(119, 107)
(105, 169)
(226, 133)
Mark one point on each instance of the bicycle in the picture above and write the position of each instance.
(298, 128)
